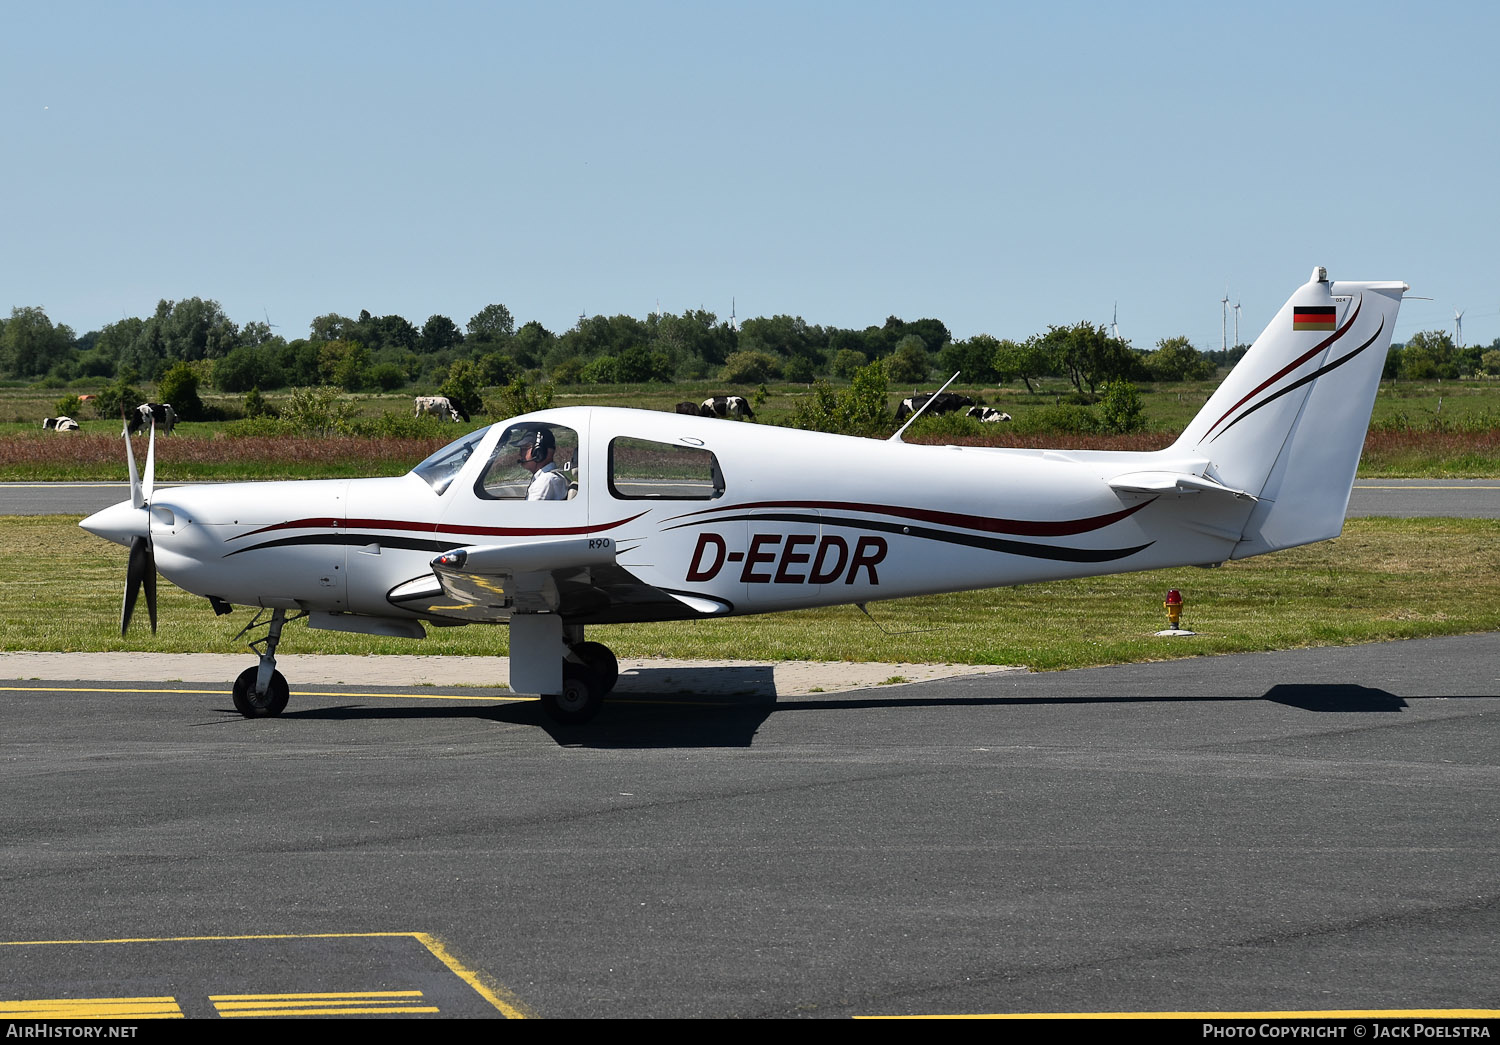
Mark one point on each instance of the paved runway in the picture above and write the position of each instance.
(1463, 498)
(1315, 829)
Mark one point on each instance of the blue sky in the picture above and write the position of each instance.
(998, 167)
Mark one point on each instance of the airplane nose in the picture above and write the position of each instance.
(119, 523)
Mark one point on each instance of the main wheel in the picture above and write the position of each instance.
(599, 659)
(579, 700)
(249, 704)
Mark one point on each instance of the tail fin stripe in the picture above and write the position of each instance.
(1268, 400)
(1293, 365)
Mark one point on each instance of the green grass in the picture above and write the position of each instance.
(1428, 429)
(1384, 579)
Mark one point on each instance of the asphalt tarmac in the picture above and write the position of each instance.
(1309, 830)
(1407, 498)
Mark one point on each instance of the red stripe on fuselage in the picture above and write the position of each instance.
(420, 527)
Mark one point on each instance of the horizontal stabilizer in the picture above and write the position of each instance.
(1162, 483)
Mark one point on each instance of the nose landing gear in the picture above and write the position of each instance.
(261, 691)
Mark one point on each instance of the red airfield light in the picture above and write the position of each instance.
(1174, 607)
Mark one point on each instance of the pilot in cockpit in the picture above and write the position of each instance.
(548, 483)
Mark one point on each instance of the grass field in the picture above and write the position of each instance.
(1438, 429)
(1384, 579)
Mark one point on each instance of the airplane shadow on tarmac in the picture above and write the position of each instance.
(725, 707)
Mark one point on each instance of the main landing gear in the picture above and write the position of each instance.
(590, 671)
(261, 691)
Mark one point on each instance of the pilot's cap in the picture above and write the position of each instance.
(538, 442)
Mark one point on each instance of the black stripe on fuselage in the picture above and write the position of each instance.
(968, 540)
(351, 540)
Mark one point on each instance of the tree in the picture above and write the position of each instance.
(1088, 355)
(909, 362)
(531, 344)
(974, 358)
(439, 333)
(1026, 360)
(344, 363)
(30, 345)
(1175, 359)
(492, 324)
(845, 362)
(1428, 354)
(749, 368)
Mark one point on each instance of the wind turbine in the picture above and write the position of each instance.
(1236, 324)
(1114, 324)
(1224, 322)
(1458, 327)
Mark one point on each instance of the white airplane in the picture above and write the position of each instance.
(659, 516)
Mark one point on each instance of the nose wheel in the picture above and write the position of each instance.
(260, 705)
(261, 691)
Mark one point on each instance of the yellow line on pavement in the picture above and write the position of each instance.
(90, 1009)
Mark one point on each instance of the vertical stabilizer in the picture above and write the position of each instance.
(1288, 424)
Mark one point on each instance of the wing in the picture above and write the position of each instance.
(575, 577)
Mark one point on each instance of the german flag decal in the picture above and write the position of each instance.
(1314, 317)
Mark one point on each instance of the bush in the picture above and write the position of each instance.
(68, 406)
(463, 386)
(256, 405)
(798, 369)
(749, 368)
(1120, 410)
(179, 387)
(519, 397)
(387, 376)
(859, 409)
(316, 411)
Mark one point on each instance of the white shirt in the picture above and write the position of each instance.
(548, 484)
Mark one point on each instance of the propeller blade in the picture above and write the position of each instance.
(137, 499)
(139, 572)
(149, 482)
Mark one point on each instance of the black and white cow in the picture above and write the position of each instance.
(439, 406)
(737, 407)
(987, 415)
(142, 416)
(691, 409)
(945, 403)
(60, 424)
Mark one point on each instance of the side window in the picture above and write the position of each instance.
(641, 468)
(532, 459)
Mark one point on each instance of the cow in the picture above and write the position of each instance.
(440, 405)
(944, 403)
(142, 416)
(691, 409)
(987, 415)
(59, 424)
(727, 406)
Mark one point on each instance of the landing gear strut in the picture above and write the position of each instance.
(261, 691)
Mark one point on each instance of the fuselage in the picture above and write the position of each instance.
(723, 516)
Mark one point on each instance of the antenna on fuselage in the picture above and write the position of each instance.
(918, 412)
